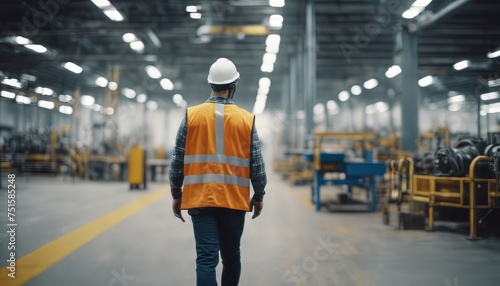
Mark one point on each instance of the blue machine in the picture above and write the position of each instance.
(358, 172)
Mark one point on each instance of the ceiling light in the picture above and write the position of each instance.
(153, 72)
(12, 82)
(356, 89)
(277, 3)
(128, 92)
(7, 94)
(319, 108)
(494, 54)
(195, 15)
(272, 49)
(36, 48)
(129, 37)
(331, 104)
(23, 99)
(377, 107)
(276, 21)
(421, 3)
(267, 68)
(371, 83)
(494, 108)
(456, 99)
(65, 98)
(87, 100)
(265, 81)
(191, 9)
(494, 82)
(273, 40)
(426, 81)
(112, 86)
(461, 65)
(370, 109)
(72, 67)
(137, 46)
(22, 40)
(483, 112)
(412, 12)
(344, 95)
(152, 105)
(96, 107)
(46, 104)
(259, 107)
(101, 81)
(381, 106)
(110, 110)
(64, 109)
(332, 107)
(44, 90)
(101, 3)
(167, 84)
(454, 107)
(114, 15)
(263, 90)
(490, 95)
(269, 58)
(261, 97)
(393, 71)
(154, 38)
(141, 98)
(177, 98)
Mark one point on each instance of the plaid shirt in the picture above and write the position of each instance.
(257, 168)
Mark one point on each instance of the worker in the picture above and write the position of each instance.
(217, 153)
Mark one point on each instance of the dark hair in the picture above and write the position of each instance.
(222, 87)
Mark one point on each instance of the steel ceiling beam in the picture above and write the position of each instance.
(425, 22)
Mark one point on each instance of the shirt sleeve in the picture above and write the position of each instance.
(257, 168)
(176, 173)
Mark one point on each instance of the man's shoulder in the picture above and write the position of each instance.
(244, 111)
(198, 106)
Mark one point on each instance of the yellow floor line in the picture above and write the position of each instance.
(351, 275)
(305, 199)
(36, 262)
(342, 229)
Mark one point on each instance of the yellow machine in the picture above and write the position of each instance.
(137, 168)
(469, 192)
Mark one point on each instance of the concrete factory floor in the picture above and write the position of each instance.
(100, 233)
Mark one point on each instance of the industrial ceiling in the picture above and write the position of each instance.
(357, 40)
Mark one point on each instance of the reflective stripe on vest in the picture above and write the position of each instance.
(218, 159)
(216, 175)
(216, 178)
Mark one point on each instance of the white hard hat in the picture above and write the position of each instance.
(223, 71)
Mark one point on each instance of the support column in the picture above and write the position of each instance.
(285, 103)
(292, 103)
(410, 98)
(310, 67)
(301, 99)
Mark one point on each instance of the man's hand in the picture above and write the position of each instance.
(256, 207)
(176, 207)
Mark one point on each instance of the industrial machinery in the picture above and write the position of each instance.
(41, 151)
(405, 215)
(351, 171)
(466, 177)
(137, 168)
(455, 162)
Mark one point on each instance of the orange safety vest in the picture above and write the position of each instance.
(217, 157)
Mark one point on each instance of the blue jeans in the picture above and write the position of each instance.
(217, 229)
